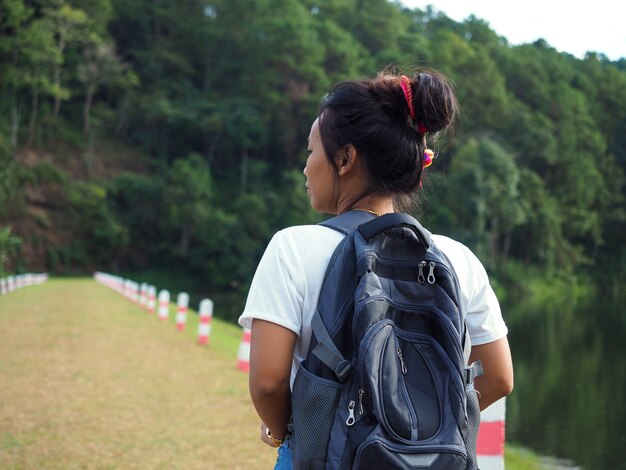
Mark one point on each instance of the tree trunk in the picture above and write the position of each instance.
(506, 246)
(212, 148)
(87, 109)
(32, 124)
(243, 181)
(493, 241)
(15, 121)
(57, 97)
(290, 133)
(185, 236)
(121, 120)
(57, 78)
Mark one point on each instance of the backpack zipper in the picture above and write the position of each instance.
(420, 272)
(431, 272)
(361, 393)
(351, 407)
(402, 364)
(413, 418)
(351, 420)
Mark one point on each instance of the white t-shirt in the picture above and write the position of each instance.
(288, 280)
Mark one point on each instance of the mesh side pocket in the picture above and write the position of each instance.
(313, 404)
(473, 423)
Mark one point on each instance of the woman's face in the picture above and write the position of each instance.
(320, 175)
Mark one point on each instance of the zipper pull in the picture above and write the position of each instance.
(420, 273)
(361, 393)
(350, 421)
(431, 273)
(402, 364)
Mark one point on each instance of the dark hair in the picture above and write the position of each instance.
(373, 115)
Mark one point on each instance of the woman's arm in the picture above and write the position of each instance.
(497, 381)
(271, 356)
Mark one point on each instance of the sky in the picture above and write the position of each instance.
(573, 26)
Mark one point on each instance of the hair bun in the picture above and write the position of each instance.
(434, 101)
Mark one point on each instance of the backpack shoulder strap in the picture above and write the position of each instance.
(325, 349)
(383, 223)
(347, 222)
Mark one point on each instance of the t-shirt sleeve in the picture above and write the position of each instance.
(276, 292)
(484, 317)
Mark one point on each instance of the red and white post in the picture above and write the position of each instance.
(151, 304)
(181, 313)
(128, 289)
(143, 295)
(243, 355)
(490, 447)
(135, 292)
(164, 304)
(206, 315)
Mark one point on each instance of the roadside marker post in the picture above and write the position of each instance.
(181, 314)
(490, 447)
(243, 355)
(164, 304)
(204, 326)
(143, 295)
(151, 304)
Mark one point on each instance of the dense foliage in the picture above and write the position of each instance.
(170, 135)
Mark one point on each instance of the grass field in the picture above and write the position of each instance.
(90, 380)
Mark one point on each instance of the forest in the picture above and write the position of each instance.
(166, 139)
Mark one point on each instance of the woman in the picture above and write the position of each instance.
(367, 151)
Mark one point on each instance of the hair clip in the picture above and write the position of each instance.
(428, 158)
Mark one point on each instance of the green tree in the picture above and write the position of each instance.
(95, 237)
(9, 247)
(481, 87)
(484, 190)
(189, 195)
(101, 65)
(27, 47)
(70, 26)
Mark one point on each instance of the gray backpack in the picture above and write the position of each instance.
(385, 383)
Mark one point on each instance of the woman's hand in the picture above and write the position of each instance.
(265, 438)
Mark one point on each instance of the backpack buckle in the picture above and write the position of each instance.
(473, 371)
(343, 370)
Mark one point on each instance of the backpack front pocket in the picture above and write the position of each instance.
(378, 452)
(407, 379)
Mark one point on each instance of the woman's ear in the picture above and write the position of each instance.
(345, 159)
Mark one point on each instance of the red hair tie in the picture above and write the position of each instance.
(405, 83)
(421, 128)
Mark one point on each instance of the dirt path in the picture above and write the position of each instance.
(89, 380)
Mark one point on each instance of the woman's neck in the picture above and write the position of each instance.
(373, 203)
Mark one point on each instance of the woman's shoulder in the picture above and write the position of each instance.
(307, 239)
(451, 247)
(307, 233)
(464, 261)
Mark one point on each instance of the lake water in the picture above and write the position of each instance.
(570, 380)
